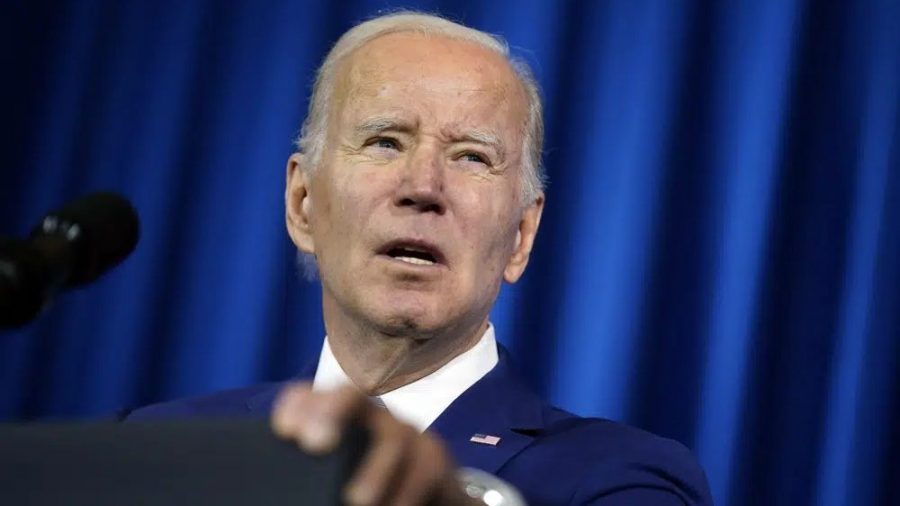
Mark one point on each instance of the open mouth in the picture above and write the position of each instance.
(413, 252)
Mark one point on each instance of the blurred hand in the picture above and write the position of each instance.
(401, 466)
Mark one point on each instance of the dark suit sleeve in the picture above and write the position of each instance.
(663, 473)
(254, 401)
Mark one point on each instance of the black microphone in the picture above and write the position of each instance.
(71, 246)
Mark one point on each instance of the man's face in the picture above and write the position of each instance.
(414, 212)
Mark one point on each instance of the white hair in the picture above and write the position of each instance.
(311, 140)
(313, 133)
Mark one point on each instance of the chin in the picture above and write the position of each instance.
(403, 326)
(418, 321)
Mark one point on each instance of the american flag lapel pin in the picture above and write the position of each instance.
(485, 439)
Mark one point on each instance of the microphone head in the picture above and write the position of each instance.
(101, 228)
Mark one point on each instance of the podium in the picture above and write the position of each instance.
(168, 463)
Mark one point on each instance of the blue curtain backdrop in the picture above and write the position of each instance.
(719, 260)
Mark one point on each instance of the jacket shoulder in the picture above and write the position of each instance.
(238, 402)
(607, 462)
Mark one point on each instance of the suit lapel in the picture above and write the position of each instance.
(498, 405)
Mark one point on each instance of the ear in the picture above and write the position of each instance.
(528, 227)
(298, 204)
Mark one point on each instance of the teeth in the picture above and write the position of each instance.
(414, 260)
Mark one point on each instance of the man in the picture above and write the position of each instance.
(417, 189)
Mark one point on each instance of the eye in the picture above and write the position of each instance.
(384, 143)
(474, 157)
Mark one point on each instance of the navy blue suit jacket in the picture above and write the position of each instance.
(551, 456)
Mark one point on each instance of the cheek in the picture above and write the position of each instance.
(353, 201)
(502, 246)
(491, 235)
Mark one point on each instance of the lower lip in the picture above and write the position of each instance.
(417, 267)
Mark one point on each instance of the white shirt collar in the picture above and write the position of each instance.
(422, 401)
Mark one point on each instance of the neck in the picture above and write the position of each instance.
(379, 360)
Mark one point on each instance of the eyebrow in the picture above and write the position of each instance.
(382, 124)
(479, 137)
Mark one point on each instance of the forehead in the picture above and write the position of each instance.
(440, 78)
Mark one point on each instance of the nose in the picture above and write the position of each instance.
(421, 185)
